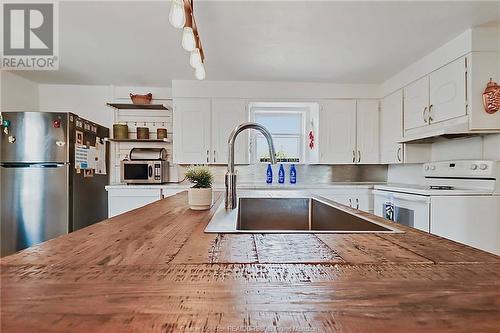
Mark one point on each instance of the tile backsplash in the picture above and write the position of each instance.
(306, 174)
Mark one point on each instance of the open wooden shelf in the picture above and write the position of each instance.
(139, 140)
(127, 106)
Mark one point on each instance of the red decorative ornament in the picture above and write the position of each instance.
(311, 140)
(491, 97)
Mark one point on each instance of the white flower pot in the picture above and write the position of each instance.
(200, 198)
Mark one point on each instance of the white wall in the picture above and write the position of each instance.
(485, 147)
(272, 90)
(17, 93)
(88, 102)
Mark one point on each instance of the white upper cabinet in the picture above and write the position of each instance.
(391, 128)
(226, 115)
(416, 103)
(349, 132)
(337, 130)
(367, 131)
(191, 130)
(448, 92)
(202, 127)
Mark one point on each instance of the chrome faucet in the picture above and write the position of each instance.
(231, 175)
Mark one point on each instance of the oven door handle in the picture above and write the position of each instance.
(150, 171)
(402, 196)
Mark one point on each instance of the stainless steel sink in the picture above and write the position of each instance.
(291, 215)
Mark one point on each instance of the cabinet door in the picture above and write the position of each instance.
(124, 200)
(447, 92)
(191, 130)
(416, 103)
(391, 128)
(337, 131)
(226, 115)
(367, 132)
(364, 202)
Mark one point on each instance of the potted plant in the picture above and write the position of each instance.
(200, 195)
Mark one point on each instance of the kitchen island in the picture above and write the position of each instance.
(154, 269)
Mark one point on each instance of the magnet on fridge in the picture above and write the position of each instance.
(79, 137)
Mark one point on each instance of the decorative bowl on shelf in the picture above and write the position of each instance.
(141, 99)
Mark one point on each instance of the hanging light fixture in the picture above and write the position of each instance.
(188, 39)
(177, 16)
(195, 58)
(181, 11)
(199, 72)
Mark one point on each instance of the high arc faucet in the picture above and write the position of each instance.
(231, 199)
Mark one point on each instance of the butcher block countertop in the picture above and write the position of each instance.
(155, 270)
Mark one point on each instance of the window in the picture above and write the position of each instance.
(289, 125)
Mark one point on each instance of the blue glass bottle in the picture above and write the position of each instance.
(281, 175)
(269, 174)
(293, 174)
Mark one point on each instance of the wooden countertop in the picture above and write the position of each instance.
(155, 270)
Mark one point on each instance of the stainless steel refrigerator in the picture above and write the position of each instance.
(43, 195)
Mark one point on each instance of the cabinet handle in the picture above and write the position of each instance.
(429, 118)
(398, 154)
(350, 202)
(423, 114)
(357, 203)
(359, 156)
(353, 156)
(208, 156)
(214, 156)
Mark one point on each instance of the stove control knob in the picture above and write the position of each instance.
(426, 167)
(483, 166)
(433, 167)
(473, 167)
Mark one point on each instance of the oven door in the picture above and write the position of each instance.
(137, 172)
(407, 209)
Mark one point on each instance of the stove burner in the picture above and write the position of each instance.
(433, 187)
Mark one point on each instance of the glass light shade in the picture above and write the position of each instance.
(200, 72)
(195, 58)
(177, 17)
(188, 40)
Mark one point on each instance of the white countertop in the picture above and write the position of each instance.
(254, 186)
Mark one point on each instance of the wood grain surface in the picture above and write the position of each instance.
(155, 270)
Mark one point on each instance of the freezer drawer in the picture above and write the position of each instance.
(34, 205)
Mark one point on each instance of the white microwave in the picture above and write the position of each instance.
(144, 172)
(407, 209)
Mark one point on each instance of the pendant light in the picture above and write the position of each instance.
(188, 39)
(181, 16)
(177, 16)
(195, 58)
(199, 72)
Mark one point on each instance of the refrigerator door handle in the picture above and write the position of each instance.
(33, 165)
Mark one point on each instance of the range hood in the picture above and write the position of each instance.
(458, 127)
(431, 135)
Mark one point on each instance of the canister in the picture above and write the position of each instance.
(142, 133)
(120, 131)
(161, 133)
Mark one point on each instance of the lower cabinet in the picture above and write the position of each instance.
(122, 200)
(361, 199)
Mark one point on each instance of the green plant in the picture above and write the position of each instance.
(200, 176)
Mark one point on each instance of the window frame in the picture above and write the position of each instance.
(303, 109)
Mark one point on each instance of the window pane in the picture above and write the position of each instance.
(282, 122)
(286, 147)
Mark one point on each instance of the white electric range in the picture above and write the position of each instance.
(458, 200)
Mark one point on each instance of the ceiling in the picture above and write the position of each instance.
(132, 43)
